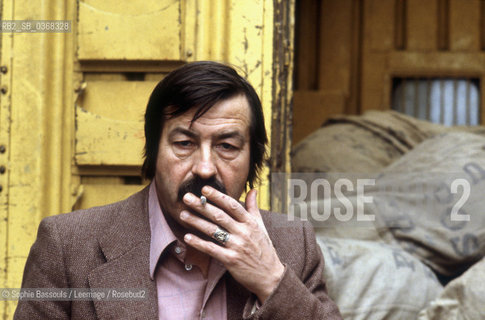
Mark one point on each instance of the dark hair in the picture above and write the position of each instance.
(201, 85)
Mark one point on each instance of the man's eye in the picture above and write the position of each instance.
(227, 147)
(184, 143)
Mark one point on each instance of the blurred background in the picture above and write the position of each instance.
(72, 103)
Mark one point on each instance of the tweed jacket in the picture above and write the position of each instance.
(109, 247)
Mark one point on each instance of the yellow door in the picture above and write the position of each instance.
(72, 104)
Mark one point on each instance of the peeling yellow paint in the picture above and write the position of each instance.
(67, 136)
(104, 141)
(129, 30)
(40, 126)
(94, 194)
(110, 123)
(5, 110)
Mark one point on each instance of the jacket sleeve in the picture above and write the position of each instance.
(301, 296)
(45, 269)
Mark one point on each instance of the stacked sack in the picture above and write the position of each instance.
(385, 268)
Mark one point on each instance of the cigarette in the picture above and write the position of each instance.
(203, 200)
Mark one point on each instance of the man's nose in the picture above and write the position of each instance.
(204, 165)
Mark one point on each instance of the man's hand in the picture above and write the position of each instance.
(249, 254)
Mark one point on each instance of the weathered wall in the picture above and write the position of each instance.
(348, 52)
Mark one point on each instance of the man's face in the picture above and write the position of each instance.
(215, 149)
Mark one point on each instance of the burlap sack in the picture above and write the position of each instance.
(358, 144)
(370, 280)
(343, 148)
(421, 222)
(463, 298)
(416, 201)
(365, 143)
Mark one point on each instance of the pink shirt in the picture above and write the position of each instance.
(182, 290)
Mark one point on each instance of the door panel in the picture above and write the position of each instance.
(109, 123)
(465, 25)
(421, 25)
(94, 194)
(129, 30)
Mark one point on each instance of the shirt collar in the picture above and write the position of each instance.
(161, 234)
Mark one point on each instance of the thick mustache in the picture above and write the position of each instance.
(195, 185)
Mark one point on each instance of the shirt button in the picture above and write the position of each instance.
(202, 314)
(178, 250)
(188, 267)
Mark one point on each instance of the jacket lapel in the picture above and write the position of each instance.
(126, 247)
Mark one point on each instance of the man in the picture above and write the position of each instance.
(198, 252)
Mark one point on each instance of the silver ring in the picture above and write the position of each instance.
(203, 200)
(221, 236)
